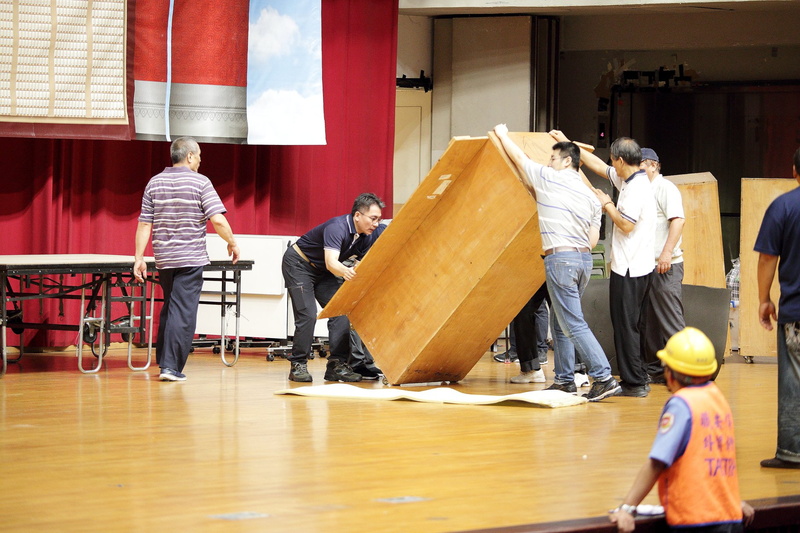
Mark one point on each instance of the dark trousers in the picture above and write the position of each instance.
(524, 326)
(663, 314)
(359, 354)
(307, 285)
(627, 297)
(178, 319)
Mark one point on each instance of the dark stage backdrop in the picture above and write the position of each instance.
(82, 196)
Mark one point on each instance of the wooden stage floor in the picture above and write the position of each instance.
(122, 451)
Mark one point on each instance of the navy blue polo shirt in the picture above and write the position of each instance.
(337, 234)
(780, 235)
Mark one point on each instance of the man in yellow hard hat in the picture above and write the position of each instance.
(693, 457)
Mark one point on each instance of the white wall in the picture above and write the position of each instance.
(414, 46)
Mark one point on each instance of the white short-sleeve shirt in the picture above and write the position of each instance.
(669, 205)
(634, 252)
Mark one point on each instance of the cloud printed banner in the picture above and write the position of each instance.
(284, 73)
(235, 72)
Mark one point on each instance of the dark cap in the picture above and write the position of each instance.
(649, 153)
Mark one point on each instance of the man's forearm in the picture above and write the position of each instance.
(593, 163)
(141, 239)
(513, 151)
(616, 217)
(223, 228)
(674, 234)
(766, 273)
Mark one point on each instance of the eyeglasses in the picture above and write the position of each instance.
(374, 219)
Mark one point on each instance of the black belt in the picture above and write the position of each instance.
(566, 249)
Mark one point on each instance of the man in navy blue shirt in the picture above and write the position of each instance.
(778, 246)
(314, 268)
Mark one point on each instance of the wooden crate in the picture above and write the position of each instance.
(703, 256)
(757, 194)
(453, 268)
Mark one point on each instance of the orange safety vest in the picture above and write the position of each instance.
(702, 486)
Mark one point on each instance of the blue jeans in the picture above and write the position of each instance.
(567, 275)
(788, 399)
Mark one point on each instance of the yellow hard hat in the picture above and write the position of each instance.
(689, 352)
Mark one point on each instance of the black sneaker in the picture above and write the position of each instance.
(299, 372)
(564, 387)
(368, 371)
(507, 357)
(340, 371)
(168, 374)
(603, 389)
(635, 391)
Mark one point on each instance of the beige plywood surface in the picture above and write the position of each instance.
(757, 194)
(452, 269)
(703, 256)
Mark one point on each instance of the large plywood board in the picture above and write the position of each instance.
(757, 194)
(703, 256)
(453, 268)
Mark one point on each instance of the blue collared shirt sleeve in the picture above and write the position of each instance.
(674, 431)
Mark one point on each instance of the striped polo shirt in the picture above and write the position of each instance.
(178, 202)
(567, 207)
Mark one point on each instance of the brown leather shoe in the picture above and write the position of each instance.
(779, 463)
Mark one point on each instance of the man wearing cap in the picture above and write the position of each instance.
(664, 311)
(693, 457)
(778, 246)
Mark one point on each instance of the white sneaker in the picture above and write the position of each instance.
(534, 376)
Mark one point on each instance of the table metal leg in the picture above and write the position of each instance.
(85, 320)
(144, 316)
(224, 313)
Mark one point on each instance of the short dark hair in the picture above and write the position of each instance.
(797, 161)
(628, 150)
(365, 201)
(569, 148)
(180, 148)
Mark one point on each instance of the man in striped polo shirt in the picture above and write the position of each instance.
(569, 221)
(175, 207)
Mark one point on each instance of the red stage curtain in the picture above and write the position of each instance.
(81, 196)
